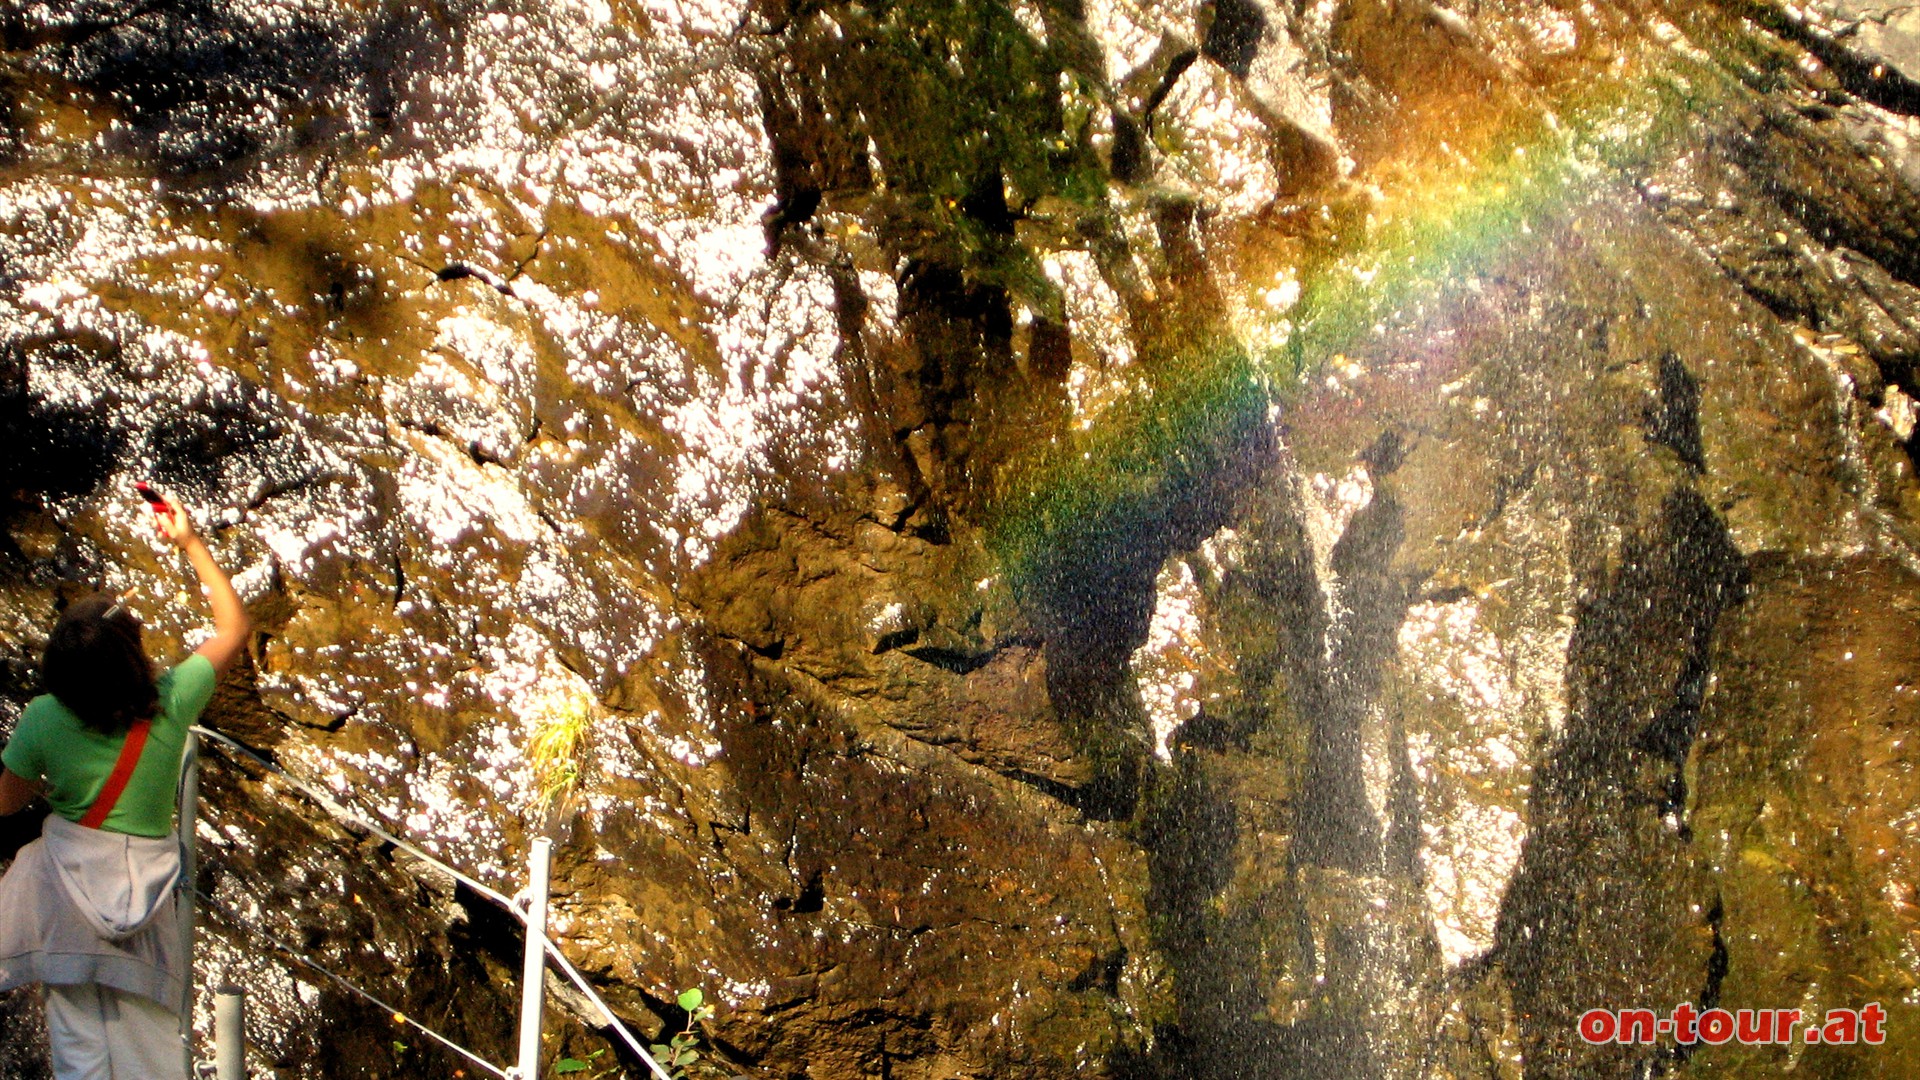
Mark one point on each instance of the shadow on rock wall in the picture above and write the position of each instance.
(206, 86)
(1609, 854)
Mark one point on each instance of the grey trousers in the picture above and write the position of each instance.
(99, 1033)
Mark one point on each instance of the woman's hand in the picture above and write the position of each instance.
(174, 523)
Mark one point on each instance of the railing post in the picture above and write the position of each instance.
(189, 871)
(229, 1033)
(533, 970)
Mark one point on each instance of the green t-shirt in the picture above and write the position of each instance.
(51, 744)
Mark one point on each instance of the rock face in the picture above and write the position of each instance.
(1005, 539)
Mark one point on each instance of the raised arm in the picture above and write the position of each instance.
(230, 623)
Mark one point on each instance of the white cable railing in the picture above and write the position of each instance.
(512, 905)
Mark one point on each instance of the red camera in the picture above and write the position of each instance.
(153, 497)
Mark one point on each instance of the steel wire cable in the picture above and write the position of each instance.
(281, 947)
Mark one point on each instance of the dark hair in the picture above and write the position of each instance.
(97, 667)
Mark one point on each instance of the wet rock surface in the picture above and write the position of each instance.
(1014, 540)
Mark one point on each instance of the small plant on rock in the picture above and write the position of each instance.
(681, 1052)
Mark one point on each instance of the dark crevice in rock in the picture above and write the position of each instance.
(952, 660)
(269, 491)
(961, 336)
(1233, 38)
(1177, 66)
(533, 253)
(810, 900)
(985, 203)
(1718, 961)
(480, 455)
(1130, 158)
(463, 271)
(1451, 594)
(895, 639)
(1082, 799)
(1102, 973)
(1669, 1059)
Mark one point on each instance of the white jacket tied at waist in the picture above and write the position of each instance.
(84, 905)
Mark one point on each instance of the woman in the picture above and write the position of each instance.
(88, 909)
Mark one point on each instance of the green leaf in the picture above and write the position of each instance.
(691, 999)
(569, 1065)
(658, 1050)
(685, 1057)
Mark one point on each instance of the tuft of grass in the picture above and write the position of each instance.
(558, 749)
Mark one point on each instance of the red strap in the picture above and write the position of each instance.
(122, 772)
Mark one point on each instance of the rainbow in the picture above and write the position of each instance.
(1433, 225)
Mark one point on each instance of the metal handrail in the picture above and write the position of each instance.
(551, 948)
